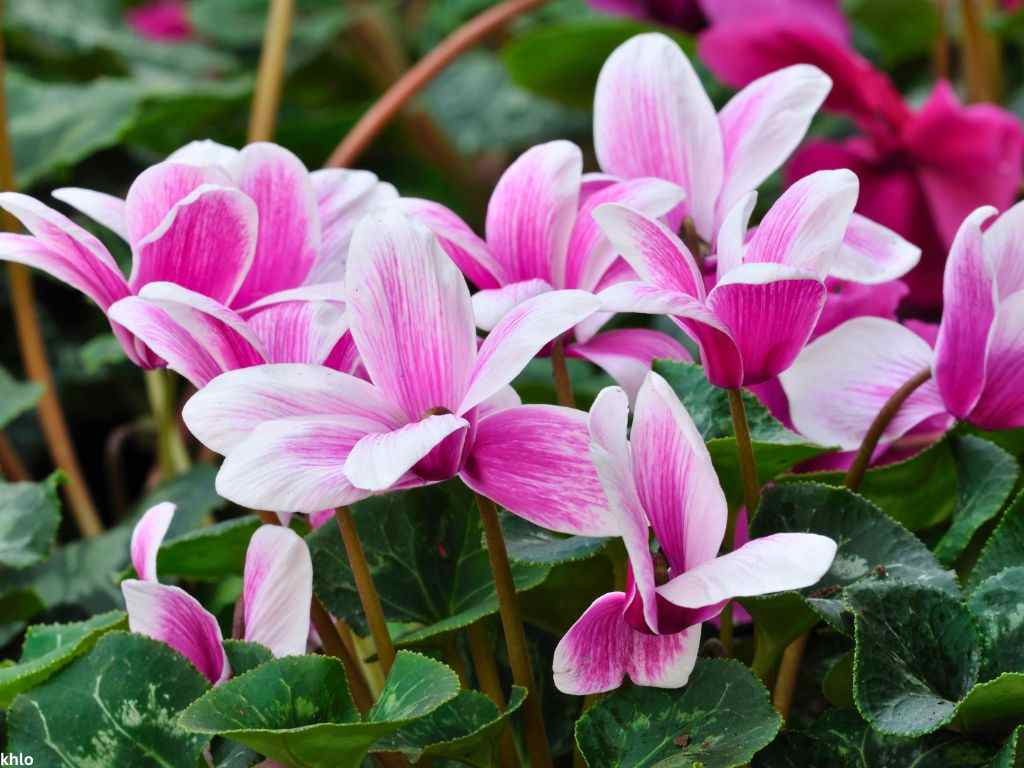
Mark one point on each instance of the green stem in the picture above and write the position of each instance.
(172, 458)
(751, 498)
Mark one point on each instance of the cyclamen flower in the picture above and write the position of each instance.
(662, 479)
(306, 438)
(921, 171)
(841, 381)
(770, 290)
(165, 21)
(541, 237)
(236, 257)
(276, 595)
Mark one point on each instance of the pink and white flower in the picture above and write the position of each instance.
(277, 590)
(236, 257)
(662, 478)
(305, 438)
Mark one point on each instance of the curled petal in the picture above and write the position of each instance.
(873, 254)
(147, 536)
(492, 304)
(277, 590)
(98, 206)
(158, 189)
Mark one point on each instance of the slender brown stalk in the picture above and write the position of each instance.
(560, 373)
(11, 465)
(335, 646)
(425, 70)
(789, 670)
(940, 48)
(489, 682)
(270, 76)
(515, 634)
(367, 590)
(453, 658)
(982, 54)
(855, 475)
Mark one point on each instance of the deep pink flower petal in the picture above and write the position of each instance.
(776, 563)
(841, 380)
(825, 15)
(762, 125)
(1001, 404)
(163, 21)
(532, 210)
(410, 314)
(172, 616)
(105, 209)
(653, 118)
(534, 460)
(277, 590)
(223, 413)
(459, 241)
(490, 305)
(299, 331)
(770, 311)
(155, 192)
(873, 254)
(289, 224)
(969, 296)
(626, 354)
(675, 478)
(147, 536)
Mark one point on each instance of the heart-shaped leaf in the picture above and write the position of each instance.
(998, 608)
(1004, 548)
(29, 516)
(529, 543)
(16, 397)
(208, 553)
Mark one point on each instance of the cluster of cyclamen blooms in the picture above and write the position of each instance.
(330, 330)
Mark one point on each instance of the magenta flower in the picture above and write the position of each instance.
(841, 380)
(541, 237)
(306, 438)
(278, 588)
(921, 171)
(236, 257)
(164, 21)
(663, 479)
(770, 290)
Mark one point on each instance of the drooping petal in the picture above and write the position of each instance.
(806, 225)
(492, 304)
(410, 314)
(532, 210)
(675, 478)
(520, 335)
(62, 249)
(653, 118)
(343, 196)
(158, 189)
(762, 125)
(534, 460)
(278, 588)
(842, 379)
(652, 250)
(626, 354)
(1001, 404)
(147, 536)
(770, 311)
(590, 253)
(610, 453)
(98, 206)
(873, 254)
(1004, 249)
(461, 243)
(379, 460)
(969, 298)
(776, 563)
(205, 243)
(172, 616)
(299, 331)
(223, 413)
(289, 225)
(663, 661)
(294, 465)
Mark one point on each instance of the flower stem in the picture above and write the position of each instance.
(11, 465)
(560, 373)
(789, 669)
(515, 635)
(490, 683)
(751, 498)
(172, 458)
(367, 590)
(425, 70)
(982, 54)
(334, 646)
(270, 76)
(855, 475)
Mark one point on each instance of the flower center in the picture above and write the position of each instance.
(661, 568)
(438, 411)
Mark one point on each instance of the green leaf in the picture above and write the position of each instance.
(244, 656)
(1004, 548)
(16, 397)
(427, 559)
(993, 707)
(529, 543)
(998, 608)
(919, 492)
(29, 517)
(1008, 755)
(50, 647)
(465, 729)
(986, 476)
(870, 544)
(116, 706)
(776, 448)
(838, 683)
(297, 710)
(719, 720)
(917, 654)
(561, 61)
(194, 495)
(208, 553)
